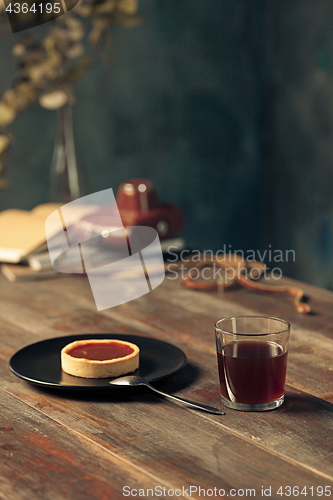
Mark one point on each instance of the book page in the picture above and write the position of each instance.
(22, 232)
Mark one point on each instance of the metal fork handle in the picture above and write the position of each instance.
(209, 409)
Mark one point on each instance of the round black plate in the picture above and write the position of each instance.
(40, 363)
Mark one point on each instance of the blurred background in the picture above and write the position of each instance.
(227, 105)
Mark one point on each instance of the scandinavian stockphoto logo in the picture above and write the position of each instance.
(25, 14)
(87, 236)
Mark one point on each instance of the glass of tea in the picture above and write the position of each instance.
(252, 361)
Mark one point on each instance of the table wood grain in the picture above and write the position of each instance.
(61, 445)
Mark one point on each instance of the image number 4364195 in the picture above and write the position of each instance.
(25, 14)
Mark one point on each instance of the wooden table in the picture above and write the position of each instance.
(60, 445)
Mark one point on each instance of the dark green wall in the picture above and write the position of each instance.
(180, 105)
(227, 105)
(299, 146)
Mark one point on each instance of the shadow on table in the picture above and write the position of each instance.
(119, 394)
(304, 403)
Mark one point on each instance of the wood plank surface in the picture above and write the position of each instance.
(136, 437)
(192, 321)
(166, 449)
(43, 461)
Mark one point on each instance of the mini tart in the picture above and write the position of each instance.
(102, 358)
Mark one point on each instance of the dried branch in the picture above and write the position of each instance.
(48, 68)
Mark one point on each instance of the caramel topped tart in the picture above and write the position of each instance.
(99, 358)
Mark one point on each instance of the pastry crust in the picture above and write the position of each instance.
(91, 368)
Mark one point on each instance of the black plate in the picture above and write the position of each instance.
(40, 363)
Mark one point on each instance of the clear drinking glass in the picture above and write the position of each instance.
(252, 361)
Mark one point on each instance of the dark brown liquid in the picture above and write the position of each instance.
(101, 351)
(252, 372)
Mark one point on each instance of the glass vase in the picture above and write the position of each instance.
(65, 178)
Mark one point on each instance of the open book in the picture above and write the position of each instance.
(22, 233)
